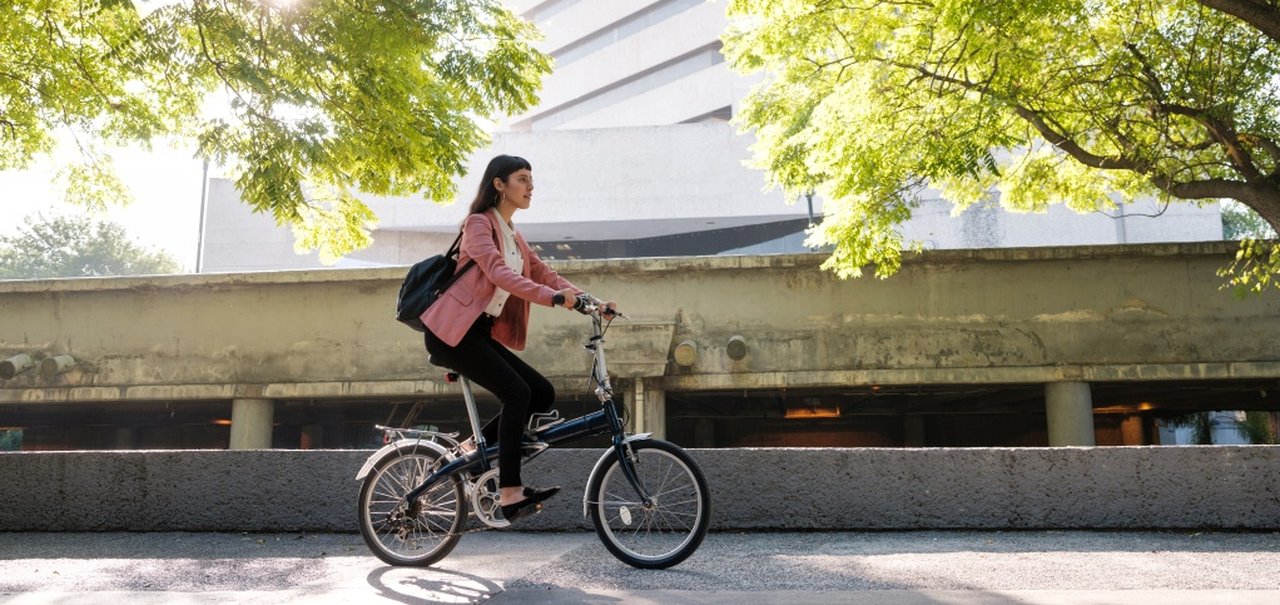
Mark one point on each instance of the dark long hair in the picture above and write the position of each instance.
(500, 167)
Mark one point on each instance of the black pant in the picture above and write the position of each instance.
(521, 389)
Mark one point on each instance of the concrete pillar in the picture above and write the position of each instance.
(1069, 407)
(1131, 431)
(655, 409)
(251, 424)
(648, 405)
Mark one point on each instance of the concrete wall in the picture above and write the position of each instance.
(1036, 315)
(273, 490)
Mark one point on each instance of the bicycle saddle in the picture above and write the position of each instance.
(450, 376)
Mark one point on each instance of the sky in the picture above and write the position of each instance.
(165, 213)
(165, 182)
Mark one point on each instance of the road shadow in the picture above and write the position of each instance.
(426, 586)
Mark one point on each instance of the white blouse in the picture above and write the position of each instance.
(510, 254)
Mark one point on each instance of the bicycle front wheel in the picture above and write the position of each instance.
(668, 529)
(410, 533)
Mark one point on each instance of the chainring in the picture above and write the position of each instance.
(485, 501)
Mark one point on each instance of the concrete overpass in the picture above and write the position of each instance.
(1138, 324)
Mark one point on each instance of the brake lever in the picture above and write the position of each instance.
(586, 304)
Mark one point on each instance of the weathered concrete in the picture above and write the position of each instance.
(1035, 315)
(281, 490)
(1069, 408)
(251, 423)
(649, 407)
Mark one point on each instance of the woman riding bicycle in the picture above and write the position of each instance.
(485, 313)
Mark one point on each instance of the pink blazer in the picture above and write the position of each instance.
(452, 314)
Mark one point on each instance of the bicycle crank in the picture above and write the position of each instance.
(485, 500)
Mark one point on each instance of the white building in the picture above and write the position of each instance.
(633, 155)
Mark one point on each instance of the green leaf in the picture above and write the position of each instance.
(1090, 104)
(381, 96)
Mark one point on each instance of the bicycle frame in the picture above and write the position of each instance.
(607, 420)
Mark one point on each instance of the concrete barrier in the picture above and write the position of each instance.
(821, 489)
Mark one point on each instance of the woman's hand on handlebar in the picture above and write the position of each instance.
(585, 303)
(570, 298)
(610, 309)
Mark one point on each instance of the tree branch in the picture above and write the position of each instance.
(1260, 193)
(1224, 134)
(1046, 130)
(1261, 197)
(1271, 147)
(1261, 14)
(219, 67)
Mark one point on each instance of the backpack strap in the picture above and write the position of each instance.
(453, 253)
(456, 246)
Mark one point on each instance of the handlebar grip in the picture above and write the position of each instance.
(585, 303)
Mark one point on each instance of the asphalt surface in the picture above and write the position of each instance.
(896, 568)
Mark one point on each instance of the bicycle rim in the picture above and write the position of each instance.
(669, 530)
(398, 534)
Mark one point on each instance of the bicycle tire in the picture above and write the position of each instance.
(400, 539)
(669, 531)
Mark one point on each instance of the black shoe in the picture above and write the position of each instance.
(532, 503)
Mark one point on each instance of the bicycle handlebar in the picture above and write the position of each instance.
(587, 304)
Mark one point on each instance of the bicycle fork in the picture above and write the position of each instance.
(627, 461)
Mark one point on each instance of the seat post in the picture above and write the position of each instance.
(472, 414)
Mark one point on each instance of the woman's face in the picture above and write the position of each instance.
(517, 190)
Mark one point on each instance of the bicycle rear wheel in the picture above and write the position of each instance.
(418, 533)
(668, 530)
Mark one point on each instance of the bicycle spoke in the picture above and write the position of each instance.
(402, 532)
(669, 527)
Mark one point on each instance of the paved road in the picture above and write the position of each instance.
(896, 568)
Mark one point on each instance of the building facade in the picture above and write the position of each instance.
(635, 156)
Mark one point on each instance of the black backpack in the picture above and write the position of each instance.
(424, 283)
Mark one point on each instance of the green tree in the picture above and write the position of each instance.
(10, 440)
(1239, 222)
(76, 247)
(327, 97)
(1089, 103)
(1198, 422)
(1256, 426)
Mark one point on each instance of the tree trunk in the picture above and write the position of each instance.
(1263, 198)
(1261, 14)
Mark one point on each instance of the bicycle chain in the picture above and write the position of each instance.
(482, 527)
(473, 483)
